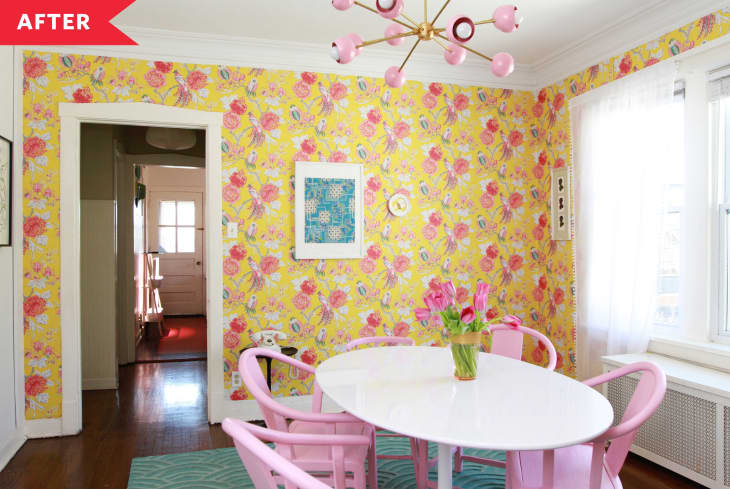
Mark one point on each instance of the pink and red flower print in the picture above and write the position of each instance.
(374, 252)
(308, 77)
(308, 287)
(338, 298)
(231, 193)
(486, 200)
(486, 137)
(154, 78)
(515, 200)
(461, 230)
(309, 357)
(239, 395)
(401, 329)
(34, 67)
(374, 116)
(338, 91)
(374, 319)
(368, 129)
(492, 125)
(367, 265)
(33, 227)
(238, 253)
(435, 219)
(429, 166)
(429, 232)
(401, 130)
(269, 121)
(435, 153)
(558, 101)
(238, 179)
(231, 121)
(301, 301)
(34, 305)
(558, 296)
(269, 264)
(625, 64)
(309, 146)
(302, 89)
(461, 102)
(197, 80)
(238, 325)
(231, 340)
(492, 188)
(515, 262)
(429, 101)
(492, 252)
(374, 183)
(461, 166)
(239, 106)
(515, 138)
(34, 147)
(436, 89)
(231, 266)
(35, 384)
(269, 192)
(401, 263)
(163, 66)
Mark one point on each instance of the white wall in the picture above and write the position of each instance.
(11, 436)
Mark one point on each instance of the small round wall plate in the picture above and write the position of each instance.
(399, 205)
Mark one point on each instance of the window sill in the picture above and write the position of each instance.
(706, 354)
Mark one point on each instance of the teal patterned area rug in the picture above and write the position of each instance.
(222, 469)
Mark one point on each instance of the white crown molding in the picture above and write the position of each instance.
(621, 35)
(165, 45)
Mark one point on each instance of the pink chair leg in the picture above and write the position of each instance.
(423, 463)
(416, 465)
(372, 463)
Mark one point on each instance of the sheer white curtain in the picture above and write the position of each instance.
(621, 135)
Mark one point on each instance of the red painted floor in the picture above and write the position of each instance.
(186, 339)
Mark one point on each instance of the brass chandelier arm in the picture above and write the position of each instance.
(446, 48)
(359, 4)
(383, 39)
(467, 48)
(440, 12)
(409, 55)
(489, 21)
(415, 24)
(425, 10)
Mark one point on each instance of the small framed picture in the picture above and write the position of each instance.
(328, 210)
(6, 170)
(560, 204)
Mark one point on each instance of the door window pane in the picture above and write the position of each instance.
(185, 213)
(167, 213)
(186, 240)
(167, 239)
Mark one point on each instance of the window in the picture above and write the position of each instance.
(670, 230)
(721, 142)
(176, 226)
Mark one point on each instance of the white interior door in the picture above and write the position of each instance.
(176, 232)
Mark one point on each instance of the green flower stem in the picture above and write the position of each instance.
(465, 360)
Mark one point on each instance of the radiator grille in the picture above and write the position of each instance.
(727, 446)
(683, 429)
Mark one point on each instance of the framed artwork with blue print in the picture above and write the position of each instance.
(328, 210)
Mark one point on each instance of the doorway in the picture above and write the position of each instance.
(139, 114)
(174, 234)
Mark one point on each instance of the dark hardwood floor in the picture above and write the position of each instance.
(160, 408)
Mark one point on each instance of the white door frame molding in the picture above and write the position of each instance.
(140, 114)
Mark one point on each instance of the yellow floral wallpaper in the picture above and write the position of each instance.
(474, 161)
(467, 157)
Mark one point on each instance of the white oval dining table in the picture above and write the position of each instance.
(511, 405)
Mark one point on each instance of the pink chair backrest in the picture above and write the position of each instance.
(647, 397)
(377, 340)
(507, 341)
(260, 460)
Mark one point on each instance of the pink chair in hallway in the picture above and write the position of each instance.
(391, 341)
(312, 457)
(591, 465)
(260, 460)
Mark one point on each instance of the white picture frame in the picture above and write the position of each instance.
(317, 240)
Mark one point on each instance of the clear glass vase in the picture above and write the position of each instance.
(465, 354)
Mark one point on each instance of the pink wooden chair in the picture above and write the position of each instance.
(312, 458)
(507, 342)
(391, 341)
(591, 465)
(260, 460)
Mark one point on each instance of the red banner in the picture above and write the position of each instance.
(64, 22)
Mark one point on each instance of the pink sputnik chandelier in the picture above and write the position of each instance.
(453, 38)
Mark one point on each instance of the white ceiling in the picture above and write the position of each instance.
(558, 37)
(549, 25)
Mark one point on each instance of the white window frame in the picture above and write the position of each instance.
(721, 203)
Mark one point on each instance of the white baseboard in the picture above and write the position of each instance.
(99, 384)
(43, 428)
(248, 410)
(11, 447)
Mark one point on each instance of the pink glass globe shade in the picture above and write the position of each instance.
(502, 64)
(390, 9)
(356, 41)
(455, 55)
(460, 28)
(342, 4)
(506, 18)
(394, 77)
(394, 30)
(343, 50)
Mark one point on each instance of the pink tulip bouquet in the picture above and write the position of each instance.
(464, 327)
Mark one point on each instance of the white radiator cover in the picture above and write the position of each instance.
(690, 432)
